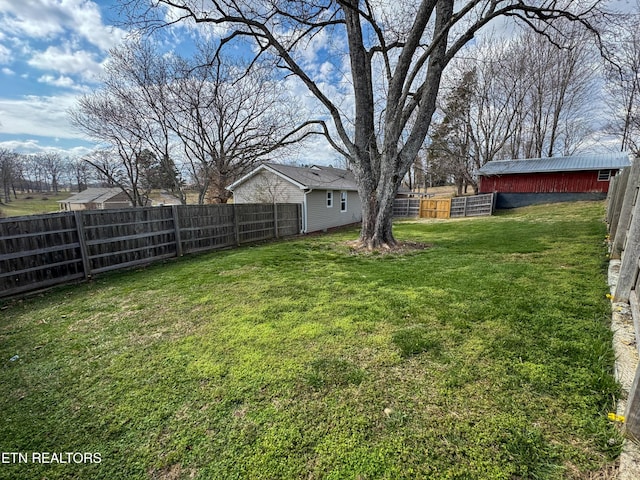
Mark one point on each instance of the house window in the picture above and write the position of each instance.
(343, 201)
(604, 175)
(329, 199)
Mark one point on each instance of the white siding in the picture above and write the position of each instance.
(266, 187)
(319, 217)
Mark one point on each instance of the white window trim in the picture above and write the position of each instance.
(601, 174)
(343, 201)
(329, 199)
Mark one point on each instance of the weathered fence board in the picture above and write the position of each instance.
(623, 218)
(38, 250)
(44, 250)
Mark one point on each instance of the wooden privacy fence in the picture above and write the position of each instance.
(623, 219)
(476, 205)
(44, 250)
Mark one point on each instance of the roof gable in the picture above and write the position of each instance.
(557, 164)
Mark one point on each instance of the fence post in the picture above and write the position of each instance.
(236, 226)
(176, 226)
(86, 265)
(275, 220)
(629, 265)
(632, 414)
(626, 210)
(465, 206)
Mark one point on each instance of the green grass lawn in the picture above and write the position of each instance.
(32, 204)
(485, 356)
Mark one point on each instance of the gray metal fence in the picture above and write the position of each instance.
(472, 206)
(406, 207)
(40, 251)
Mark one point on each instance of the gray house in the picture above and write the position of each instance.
(96, 199)
(328, 195)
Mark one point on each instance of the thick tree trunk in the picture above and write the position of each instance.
(377, 192)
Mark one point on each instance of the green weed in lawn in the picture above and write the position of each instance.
(486, 355)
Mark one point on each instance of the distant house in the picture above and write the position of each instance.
(96, 199)
(548, 180)
(329, 196)
(164, 198)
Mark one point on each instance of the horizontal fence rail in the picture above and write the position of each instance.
(41, 251)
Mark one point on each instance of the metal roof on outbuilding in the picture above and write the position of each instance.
(608, 161)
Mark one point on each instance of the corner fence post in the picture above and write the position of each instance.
(86, 265)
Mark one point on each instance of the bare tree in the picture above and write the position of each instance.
(138, 75)
(412, 45)
(511, 101)
(79, 172)
(8, 175)
(52, 166)
(623, 81)
(559, 80)
(228, 124)
(112, 120)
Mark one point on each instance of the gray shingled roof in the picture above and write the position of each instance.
(96, 195)
(318, 176)
(557, 164)
(315, 177)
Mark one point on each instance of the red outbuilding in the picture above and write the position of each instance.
(548, 180)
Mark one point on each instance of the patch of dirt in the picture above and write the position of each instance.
(356, 247)
(171, 472)
(624, 343)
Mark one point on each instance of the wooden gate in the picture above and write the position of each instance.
(435, 208)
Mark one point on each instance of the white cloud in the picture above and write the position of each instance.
(8, 71)
(5, 54)
(67, 62)
(61, 81)
(46, 19)
(38, 116)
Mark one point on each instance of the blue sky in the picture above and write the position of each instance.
(51, 51)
